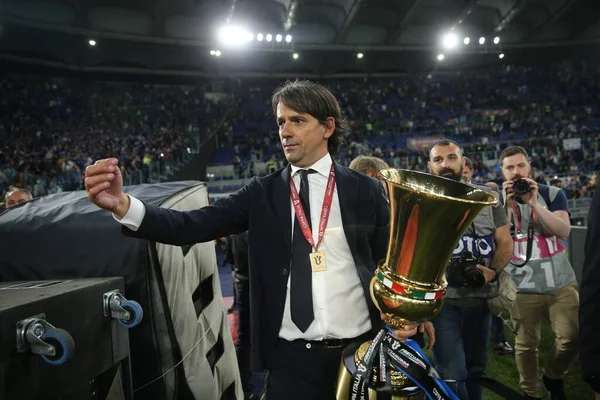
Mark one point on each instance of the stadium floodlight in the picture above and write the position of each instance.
(269, 37)
(288, 38)
(249, 36)
(295, 56)
(501, 56)
(360, 55)
(233, 35)
(481, 40)
(278, 38)
(218, 53)
(92, 42)
(467, 40)
(496, 40)
(440, 57)
(212, 52)
(450, 40)
(259, 37)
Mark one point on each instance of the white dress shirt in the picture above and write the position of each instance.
(339, 303)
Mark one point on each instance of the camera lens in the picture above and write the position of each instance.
(475, 278)
(521, 187)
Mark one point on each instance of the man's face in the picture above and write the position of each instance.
(16, 198)
(303, 138)
(446, 161)
(515, 167)
(467, 173)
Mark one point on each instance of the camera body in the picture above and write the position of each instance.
(463, 270)
(521, 187)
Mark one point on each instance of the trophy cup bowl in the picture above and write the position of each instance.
(428, 216)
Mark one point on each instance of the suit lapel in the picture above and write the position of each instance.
(283, 208)
(348, 190)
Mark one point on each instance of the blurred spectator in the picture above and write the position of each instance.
(16, 196)
(54, 128)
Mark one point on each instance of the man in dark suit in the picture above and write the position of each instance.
(316, 231)
(589, 303)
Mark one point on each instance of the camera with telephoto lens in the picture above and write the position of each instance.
(463, 270)
(521, 187)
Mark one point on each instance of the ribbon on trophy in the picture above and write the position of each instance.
(408, 358)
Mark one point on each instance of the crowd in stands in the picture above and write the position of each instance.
(53, 128)
(554, 113)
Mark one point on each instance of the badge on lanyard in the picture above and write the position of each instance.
(317, 258)
(317, 261)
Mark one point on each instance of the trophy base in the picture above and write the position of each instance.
(402, 387)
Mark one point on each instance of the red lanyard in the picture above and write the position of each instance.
(517, 214)
(324, 212)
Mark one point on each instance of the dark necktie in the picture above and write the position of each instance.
(301, 303)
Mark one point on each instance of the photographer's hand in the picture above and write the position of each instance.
(507, 193)
(531, 197)
(488, 274)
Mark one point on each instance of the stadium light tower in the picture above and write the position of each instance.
(440, 57)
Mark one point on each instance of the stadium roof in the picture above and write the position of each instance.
(394, 36)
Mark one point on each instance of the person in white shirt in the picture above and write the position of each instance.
(316, 232)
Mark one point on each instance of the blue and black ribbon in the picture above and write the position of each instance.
(386, 351)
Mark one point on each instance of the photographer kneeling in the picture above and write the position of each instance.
(544, 277)
(463, 325)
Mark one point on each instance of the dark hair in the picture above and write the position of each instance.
(512, 151)
(469, 163)
(444, 143)
(311, 98)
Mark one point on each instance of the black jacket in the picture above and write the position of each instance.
(263, 208)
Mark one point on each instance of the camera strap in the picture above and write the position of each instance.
(475, 240)
(386, 351)
(530, 232)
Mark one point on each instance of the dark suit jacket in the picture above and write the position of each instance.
(263, 208)
(589, 296)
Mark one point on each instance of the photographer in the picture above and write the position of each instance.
(463, 325)
(542, 272)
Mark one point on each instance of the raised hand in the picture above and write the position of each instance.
(104, 186)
